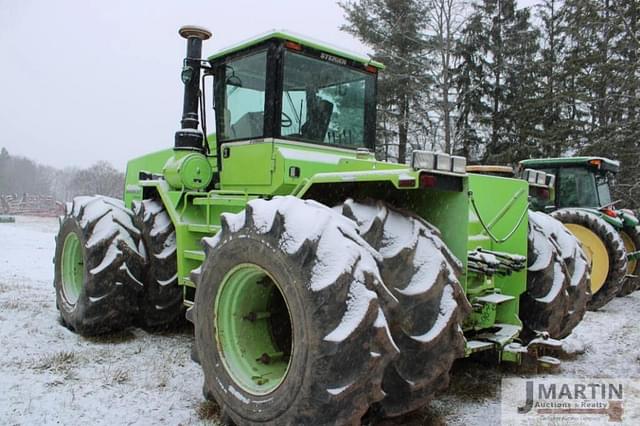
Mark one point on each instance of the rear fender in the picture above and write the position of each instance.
(445, 206)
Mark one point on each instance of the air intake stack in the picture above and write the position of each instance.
(189, 137)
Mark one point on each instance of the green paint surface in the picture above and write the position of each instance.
(244, 330)
(72, 268)
(501, 204)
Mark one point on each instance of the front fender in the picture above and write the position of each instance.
(613, 221)
(629, 218)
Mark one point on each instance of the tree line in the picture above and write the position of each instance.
(20, 175)
(499, 83)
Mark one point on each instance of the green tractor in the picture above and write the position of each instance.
(322, 284)
(610, 236)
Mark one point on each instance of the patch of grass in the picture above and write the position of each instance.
(11, 305)
(59, 362)
(208, 411)
(119, 376)
(115, 375)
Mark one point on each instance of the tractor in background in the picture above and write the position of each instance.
(611, 236)
(322, 284)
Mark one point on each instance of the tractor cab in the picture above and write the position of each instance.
(583, 203)
(287, 108)
(580, 181)
(283, 86)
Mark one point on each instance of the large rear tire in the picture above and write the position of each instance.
(631, 238)
(288, 323)
(426, 321)
(161, 304)
(558, 282)
(604, 249)
(98, 266)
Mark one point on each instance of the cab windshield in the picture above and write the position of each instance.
(324, 102)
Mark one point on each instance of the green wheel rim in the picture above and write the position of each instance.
(72, 269)
(253, 329)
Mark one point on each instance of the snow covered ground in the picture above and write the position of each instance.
(49, 375)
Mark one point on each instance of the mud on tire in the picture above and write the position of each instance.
(558, 281)
(319, 282)
(98, 266)
(161, 303)
(614, 247)
(425, 323)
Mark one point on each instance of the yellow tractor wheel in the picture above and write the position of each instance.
(604, 249)
(596, 253)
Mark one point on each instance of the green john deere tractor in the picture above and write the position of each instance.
(610, 236)
(322, 284)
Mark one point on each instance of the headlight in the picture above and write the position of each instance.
(423, 160)
(530, 175)
(551, 180)
(443, 162)
(459, 164)
(428, 160)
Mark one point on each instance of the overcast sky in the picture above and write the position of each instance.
(82, 81)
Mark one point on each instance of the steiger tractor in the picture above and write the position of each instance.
(610, 236)
(322, 284)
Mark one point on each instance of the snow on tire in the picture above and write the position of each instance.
(319, 282)
(558, 281)
(98, 266)
(631, 237)
(614, 247)
(577, 267)
(161, 303)
(423, 275)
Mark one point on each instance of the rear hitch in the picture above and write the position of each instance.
(538, 356)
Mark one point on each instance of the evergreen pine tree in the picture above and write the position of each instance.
(394, 29)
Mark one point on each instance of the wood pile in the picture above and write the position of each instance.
(30, 205)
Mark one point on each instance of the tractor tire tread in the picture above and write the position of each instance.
(343, 373)
(161, 304)
(428, 305)
(113, 266)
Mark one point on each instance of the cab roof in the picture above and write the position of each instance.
(602, 163)
(296, 38)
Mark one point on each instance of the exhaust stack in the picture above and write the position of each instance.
(189, 137)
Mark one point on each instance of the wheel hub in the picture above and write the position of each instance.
(596, 253)
(72, 269)
(253, 329)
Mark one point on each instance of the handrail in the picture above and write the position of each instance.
(488, 230)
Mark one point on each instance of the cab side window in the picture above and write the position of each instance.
(244, 97)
